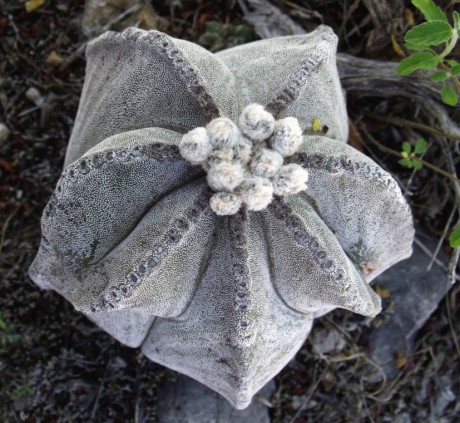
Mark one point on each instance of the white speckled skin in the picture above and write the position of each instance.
(129, 237)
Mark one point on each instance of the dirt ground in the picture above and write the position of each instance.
(56, 366)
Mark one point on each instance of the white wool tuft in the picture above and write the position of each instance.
(287, 136)
(243, 150)
(245, 164)
(225, 203)
(290, 179)
(256, 122)
(223, 133)
(256, 192)
(266, 162)
(221, 155)
(225, 176)
(195, 146)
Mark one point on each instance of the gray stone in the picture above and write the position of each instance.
(414, 296)
(187, 401)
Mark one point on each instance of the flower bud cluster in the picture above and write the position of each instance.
(244, 163)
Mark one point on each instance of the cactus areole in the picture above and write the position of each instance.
(202, 217)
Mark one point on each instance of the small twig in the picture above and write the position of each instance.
(302, 9)
(79, 51)
(451, 325)
(312, 390)
(99, 392)
(341, 357)
(404, 122)
(429, 253)
(451, 165)
(73, 56)
(395, 153)
(364, 401)
(131, 10)
(5, 225)
(441, 240)
(137, 408)
(452, 266)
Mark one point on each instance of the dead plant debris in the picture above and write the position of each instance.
(56, 366)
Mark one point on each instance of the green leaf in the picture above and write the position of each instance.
(449, 96)
(417, 48)
(2, 325)
(214, 27)
(452, 62)
(430, 11)
(429, 33)
(13, 338)
(454, 238)
(456, 18)
(406, 163)
(420, 146)
(455, 70)
(417, 61)
(406, 147)
(417, 164)
(439, 76)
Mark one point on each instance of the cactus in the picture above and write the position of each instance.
(199, 218)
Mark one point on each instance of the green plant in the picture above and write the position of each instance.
(7, 335)
(411, 158)
(22, 389)
(454, 238)
(432, 41)
(218, 36)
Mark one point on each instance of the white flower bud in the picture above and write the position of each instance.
(266, 162)
(290, 179)
(256, 122)
(243, 150)
(287, 136)
(225, 176)
(223, 133)
(195, 146)
(221, 155)
(225, 203)
(256, 193)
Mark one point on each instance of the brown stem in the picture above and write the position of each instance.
(403, 122)
(395, 153)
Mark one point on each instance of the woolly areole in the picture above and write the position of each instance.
(200, 218)
(249, 175)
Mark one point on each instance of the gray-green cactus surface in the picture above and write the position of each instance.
(213, 249)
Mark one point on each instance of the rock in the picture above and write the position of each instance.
(326, 341)
(188, 401)
(4, 132)
(414, 296)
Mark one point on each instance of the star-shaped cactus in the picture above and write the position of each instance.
(196, 218)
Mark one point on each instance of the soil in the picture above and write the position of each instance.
(56, 366)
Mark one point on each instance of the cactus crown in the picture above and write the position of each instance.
(244, 163)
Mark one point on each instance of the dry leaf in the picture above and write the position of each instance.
(401, 360)
(409, 17)
(32, 5)
(382, 292)
(54, 58)
(396, 47)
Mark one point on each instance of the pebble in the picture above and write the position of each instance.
(4, 132)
